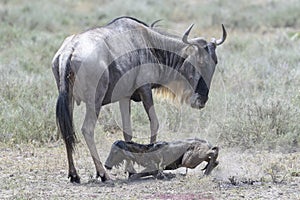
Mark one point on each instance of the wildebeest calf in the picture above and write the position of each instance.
(161, 156)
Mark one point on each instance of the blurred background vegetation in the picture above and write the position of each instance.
(255, 94)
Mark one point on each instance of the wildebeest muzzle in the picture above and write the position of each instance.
(198, 101)
(200, 97)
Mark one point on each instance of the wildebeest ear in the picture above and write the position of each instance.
(188, 51)
(189, 54)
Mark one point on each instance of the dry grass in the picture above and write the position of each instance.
(29, 172)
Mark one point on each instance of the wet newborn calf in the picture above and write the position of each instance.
(161, 156)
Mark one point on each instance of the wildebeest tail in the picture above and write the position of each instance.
(64, 105)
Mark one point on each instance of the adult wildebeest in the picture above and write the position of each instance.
(123, 61)
(160, 156)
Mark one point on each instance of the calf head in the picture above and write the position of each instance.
(212, 160)
(197, 153)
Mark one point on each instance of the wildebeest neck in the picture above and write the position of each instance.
(153, 66)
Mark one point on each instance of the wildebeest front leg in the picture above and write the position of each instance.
(126, 119)
(147, 99)
(88, 133)
(127, 131)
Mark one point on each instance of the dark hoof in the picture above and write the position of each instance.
(170, 175)
(103, 178)
(74, 178)
(107, 167)
(130, 174)
(160, 176)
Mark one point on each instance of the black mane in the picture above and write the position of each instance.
(139, 148)
(127, 17)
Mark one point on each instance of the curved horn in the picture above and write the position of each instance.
(220, 41)
(155, 22)
(186, 34)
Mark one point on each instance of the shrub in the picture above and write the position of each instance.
(267, 124)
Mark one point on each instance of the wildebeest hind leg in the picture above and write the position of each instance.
(88, 133)
(72, 171)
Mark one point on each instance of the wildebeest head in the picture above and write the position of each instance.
(117, 155)
(199, 66)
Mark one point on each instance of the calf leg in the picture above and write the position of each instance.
(143, 174)
(129, 168)
(124, 105)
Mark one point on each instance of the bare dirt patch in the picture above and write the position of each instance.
(28, 172)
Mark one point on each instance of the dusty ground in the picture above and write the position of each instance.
(28, 172)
